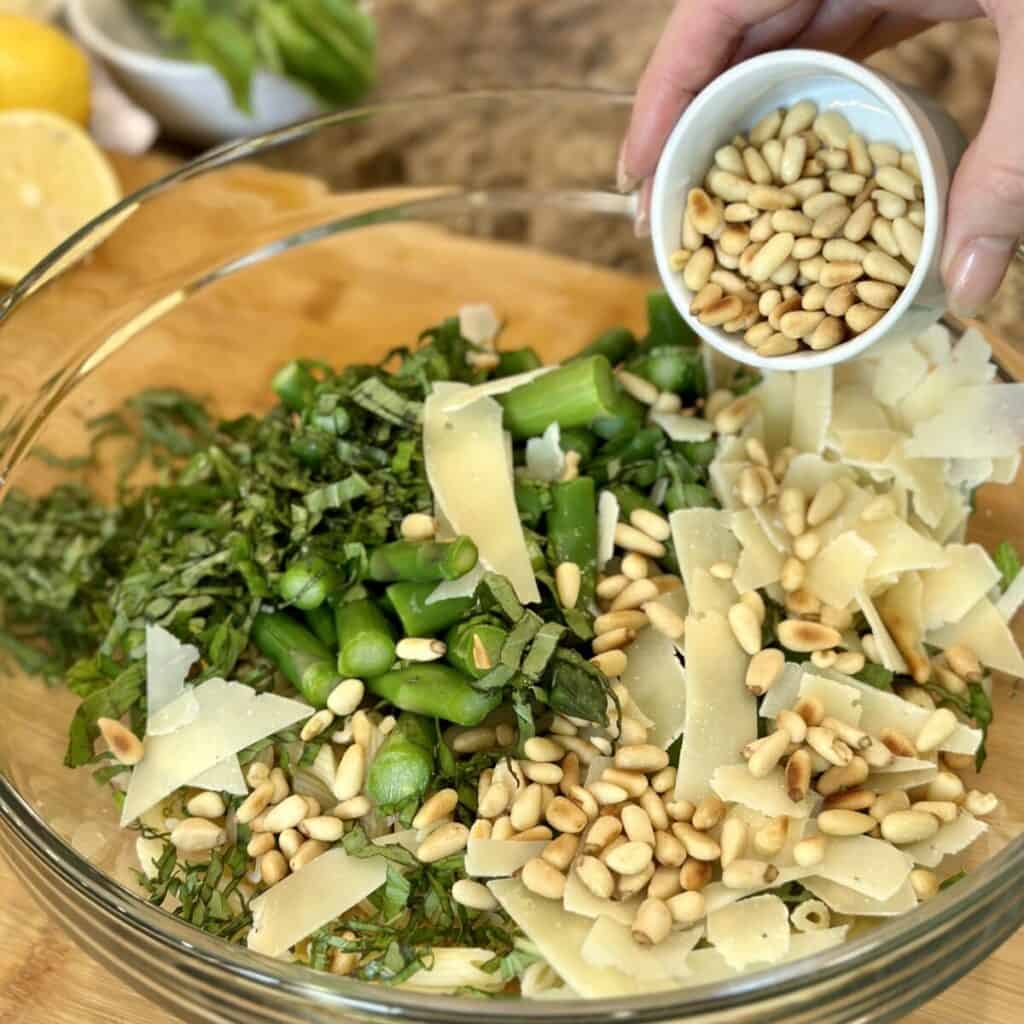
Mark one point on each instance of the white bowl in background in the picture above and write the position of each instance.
(190, 100)
(878, 109)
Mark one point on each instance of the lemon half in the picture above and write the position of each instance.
(53, 179)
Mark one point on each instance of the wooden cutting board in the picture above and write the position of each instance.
(44, 977)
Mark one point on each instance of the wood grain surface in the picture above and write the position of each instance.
(44, 978)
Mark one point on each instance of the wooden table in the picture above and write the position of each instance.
(45, 979)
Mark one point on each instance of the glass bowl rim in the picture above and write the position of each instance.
(983, 886)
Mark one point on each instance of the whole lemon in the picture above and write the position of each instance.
(42, 69)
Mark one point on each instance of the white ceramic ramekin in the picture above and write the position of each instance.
(878, 108)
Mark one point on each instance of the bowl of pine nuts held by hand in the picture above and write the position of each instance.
(798, 207)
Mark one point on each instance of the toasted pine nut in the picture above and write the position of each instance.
(945, 810)
(443, 842)
(898, 743)
(940, 725)
(731, 187)
(543, 878)
(637, 824)
(768, 197)
(924, 882)
(629, 858)
(704, 214)
(197, 835)
(324, 828)
(526, 808)
(835, 274)
(668, 850)
(964, 662)
(798, 775)
(980, 804)
(947, 787)
(346, 697)
(564, 816)
(849, 734)
(848, 776)
(602, 832)
(825, 742)
(694, 875)
(897, 181)
(791, 723)
(697, 271)
(735, 835)
(653, 919)
(883, 267)
(800, 323)
(420, 648)
(810, 851)
(708, 813)
(861, 317)
(273, 867)
(442, 804)
(418, 526)
(126, 747)
(804, 637)
(845, 823)
(699, 845)
(902, 827)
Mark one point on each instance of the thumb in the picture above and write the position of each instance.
(986, 201)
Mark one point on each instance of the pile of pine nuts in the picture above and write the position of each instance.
(803, 235)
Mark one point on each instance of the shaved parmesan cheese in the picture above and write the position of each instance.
(458, 396)
(848, 901)
(724, 476)
(656, 683)
(854, 409)
(708, 965)
(986, 633)
(927, 400)
(900, 548)
(775, 400)
(545, 459)
(578, 899)
(810, 473)
(969, 473)
(755, 930)
(718, 894)
(872, 867)
(887, 650)
(408, 838)
(499, 858)
(972, 358)
(925, 479)
(168, 662)
(951, 838)
(466, 465)
(954, 516)
(734, 784)
(231, 717)
(224, 777)
(768, 519)
(611, 944)
(812, 409)
(1005, 469)
(900, 370)
(867, 449)
(785, 692)
(983, 421)
(479, 323)
(760, 561)
(464, 586)
(721, 713)
(908, 775)
(308, 899)
(1011, 599)
(454, 967)
(935, 344)
(702, 536)
(836, 573)
(840, 701)
(949, 593)
(559, 936)
(607, 518)
(682, 428)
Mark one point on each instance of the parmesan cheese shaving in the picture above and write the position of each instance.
(854, 409)
(812, 409)
(224, 777)
(499, 858)
(900, 548)
(951, 838)
(840, 701)
(168, 662)
(724, 476)
(578, 899)
(231, 717)
(760, 561)
(986, 633)
(721, 713)
(785, 692)
(734, 784)
(464, 586)
(545, 459)
(479, 323)
(656, 683)
(983, 421)
(702, 537)
(1012, 598)
(775, 400)
(611, 944)
(753, 931)
(887, 650)
(559, 936)
(455, 967)
(900, 370)
(950, 593)
(607, 518)
(718, 894)
(466, 465)
(836, 573)
(810, 473)
(682, 428)
(872, 867)
(460, 396)
(848, 901)
(326, 887)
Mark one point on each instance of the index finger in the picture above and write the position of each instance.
(699, 40)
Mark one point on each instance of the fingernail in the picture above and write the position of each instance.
(976, 271)
(624, 181)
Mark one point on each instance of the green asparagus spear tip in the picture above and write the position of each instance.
(308, 582)
(423, 561)
(409, 601)
(300, 657)
(404, 766)
(366, 643)
(435, 690)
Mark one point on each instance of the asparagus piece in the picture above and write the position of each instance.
(616, 345)
(300, 657)
(320, 620)
(294, 385)
(404, 764)
(583, 442)
(517, 360)
(665, 325)
(422, 561)
(366, 643)
(474, 646)
(572, 530)
(308, 582)
(409, 601)
(436, 690)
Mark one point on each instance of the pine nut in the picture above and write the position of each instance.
(583, 749)
(704, 214)
(980, 804)
(545, 773)
(898, 743)
(346, 697)
(611, 663)
(631, 539)
(778, 345)
(791, 163)
(884, 154)
(882, 233)
(945, 810)
(825, 743)
(635, 566)
(544, 879)
(603, 831)
(889, 205)
(897, 181)
(630, 857)
(877, 294)
(443, 842)
(859, 223)
(720, 311)
(829, 333)
(419, 648)
(494, 802)
(611, 586)
(694, 875)
(831, 222)
(806, 248)
(699, 845)
(924, 883)
(902, 827)
(664, 882)
(946, 787)
(641, 758)
(823, 659)
(273, 867)
(444, 802)
(850, 662)
(851, 800)
(324, 827)
(832, 128)
(567, 583)
(526, 808)
(816, 206)
(756, 167)
(638, 592)
(804, 637)
(289, 842)
(861, 317)
(760, 231)
(206, 805)
(733, 188)
(811, 851)
(286, 814)
(802, 602)
(939, 726)
(748, 874)
(841, 272)
(792, 724)
(766, 128)
(791, 222)
(958, 762)
(916, 215)
(767, 754)
(728, 159)
(260, 844)
(798, 118)
(806, 187)
(840, 301)
(418, 526)
(768, 197)
(849, 734)
(637, 824)
(351, 773)
(964, 662)
(502, 828)
(653, 920)
(800, 323)
(353, 809)
(126, 747)
(473, 895)
(883, 267)
(596, 877)
(740, 213)
(833, 160)
(798, 775)
(846, 183)
(697, 271)
(564, 816)
(848, 776)
(825, 503)
(759, 334)
(845, 823)
(561, 852)
(814, 298)
(197, 835)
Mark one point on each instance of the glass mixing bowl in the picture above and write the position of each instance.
(339, 239)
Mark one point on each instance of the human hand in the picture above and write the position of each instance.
(986, 201)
